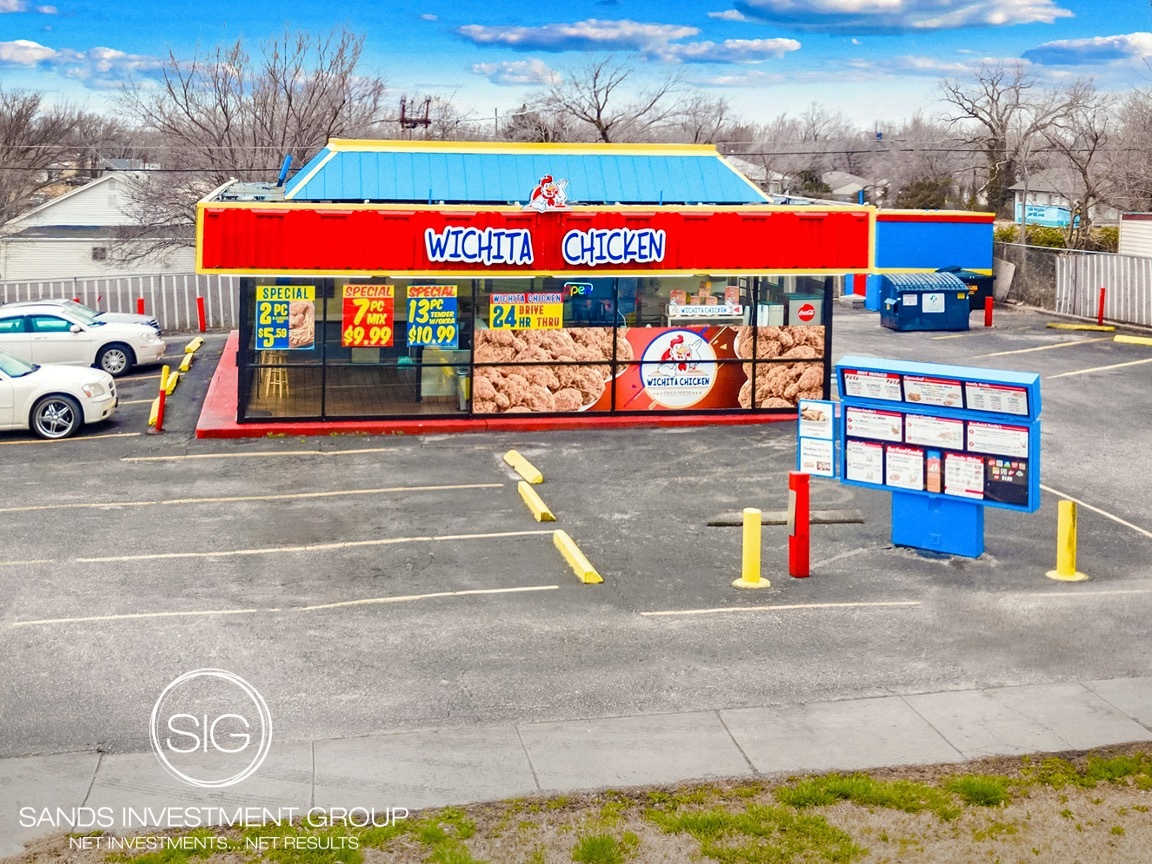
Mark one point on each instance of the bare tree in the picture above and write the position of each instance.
(1003, 114)
(1081, 136)
(704, 120)
(34, 140)
(532, 125)
(596, 96)
(231, 115)
(1133, 180)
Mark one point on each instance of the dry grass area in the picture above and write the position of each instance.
(1092, 808)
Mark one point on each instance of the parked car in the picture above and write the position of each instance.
(48, 333)
(52, 401)
(80, 309)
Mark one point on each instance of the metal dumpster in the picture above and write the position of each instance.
(924, 301)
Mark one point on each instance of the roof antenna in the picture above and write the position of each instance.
(284, 170)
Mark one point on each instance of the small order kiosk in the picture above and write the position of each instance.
(946, 441)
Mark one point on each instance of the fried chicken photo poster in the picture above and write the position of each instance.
(655, 369)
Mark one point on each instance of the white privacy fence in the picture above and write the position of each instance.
(171, 297)
(1127, 280)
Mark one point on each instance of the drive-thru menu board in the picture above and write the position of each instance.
(956, 431)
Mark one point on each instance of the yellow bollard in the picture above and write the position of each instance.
(1066, 545)
(165, 371)
(750, 569)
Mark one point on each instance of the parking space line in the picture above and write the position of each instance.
(26, 563)
(137, 402)
(1104, 513)
(952, 336)
(314, 547)
(1100, 368)
(69, 440)
(287, 496)
(255, 455)
(207, 613)
(1043, 347)
(781, 608)
(1091, 593)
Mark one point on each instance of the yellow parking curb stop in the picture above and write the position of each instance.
(523, 467)
(539, 509)
(580, 565)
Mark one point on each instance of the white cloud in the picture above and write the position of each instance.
(593, 33)
(12, 6)
(901, 15)
(22, 52)
(428, 16)
(516, 72)
(730, 51)
(656, 41)
(98, 68)
(728, 15)
(47, 10)
(1092, 52)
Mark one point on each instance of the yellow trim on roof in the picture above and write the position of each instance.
(382, 145)
(914, 212)
(399, 206)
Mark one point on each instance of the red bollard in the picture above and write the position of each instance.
(139, 305)
(798, 521)
(200, 318)
(987, 311)
(1100, 309)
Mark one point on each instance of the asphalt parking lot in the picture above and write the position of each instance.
(387, 583)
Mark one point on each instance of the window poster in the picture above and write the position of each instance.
(368, 316)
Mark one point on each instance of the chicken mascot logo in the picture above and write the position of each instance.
(678, 368)
(549, 194)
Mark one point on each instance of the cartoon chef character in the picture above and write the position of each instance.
(678, 352)
(549, 194)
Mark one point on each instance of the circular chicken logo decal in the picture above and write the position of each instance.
(678, 368)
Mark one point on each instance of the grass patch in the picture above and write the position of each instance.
(604, 848)
(762, 834)
(980, 790)
(865, 791)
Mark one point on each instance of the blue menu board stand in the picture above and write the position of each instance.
(946, 441)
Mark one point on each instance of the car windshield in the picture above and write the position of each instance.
(82, 313)
(14, 367)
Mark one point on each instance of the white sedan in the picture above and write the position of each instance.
(51, 334)
(52, 401)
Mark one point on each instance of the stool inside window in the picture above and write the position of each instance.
(273, 374)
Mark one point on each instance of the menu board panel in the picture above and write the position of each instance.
(864, 462)
(963, 475)
(878, 425)
(904, 467)
(863, 384)
(1006, 481)
(818, 457)
(995, 438)
(999, 398)
(816, 419)
(920, 390)
(934, 431)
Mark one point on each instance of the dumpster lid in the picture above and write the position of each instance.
(925, 282)
(965, 274)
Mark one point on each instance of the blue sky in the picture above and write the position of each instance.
(873, 60)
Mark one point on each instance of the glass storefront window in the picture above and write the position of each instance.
(542, 344)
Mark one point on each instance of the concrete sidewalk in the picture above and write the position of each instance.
(480, 763)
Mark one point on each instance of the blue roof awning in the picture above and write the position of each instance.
(423, 172)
